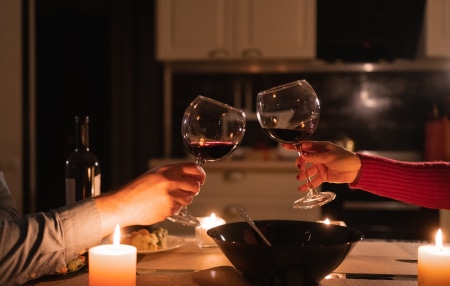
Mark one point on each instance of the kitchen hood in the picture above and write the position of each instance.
(368, 30)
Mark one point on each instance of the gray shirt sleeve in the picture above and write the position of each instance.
(7, 204)
(42, 243)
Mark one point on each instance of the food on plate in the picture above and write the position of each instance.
(147, 240)
(161, 233)
(73, 264)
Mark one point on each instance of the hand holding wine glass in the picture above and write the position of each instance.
(289, 114)
(211, 130)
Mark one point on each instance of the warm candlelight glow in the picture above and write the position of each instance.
(326, 221)
(439, 240)
(210, 221)
(116, 240)
(433, 262)
(112, 264)
(203, 239)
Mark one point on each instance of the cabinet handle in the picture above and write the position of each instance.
(252, 53)
(219, 54)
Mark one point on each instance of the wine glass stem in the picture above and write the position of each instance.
(311, 190)
(199, 161)
(183, 211)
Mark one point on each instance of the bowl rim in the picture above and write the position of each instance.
(357, 234)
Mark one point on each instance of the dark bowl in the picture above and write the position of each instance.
(302, 253)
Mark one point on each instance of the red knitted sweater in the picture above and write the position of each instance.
(424, 184)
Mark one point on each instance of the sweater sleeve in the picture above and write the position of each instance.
(424, 184)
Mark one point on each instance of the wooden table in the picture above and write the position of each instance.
(371, 262)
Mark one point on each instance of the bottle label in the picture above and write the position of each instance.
(70, 191)
(96, 186)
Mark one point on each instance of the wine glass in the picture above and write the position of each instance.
(211, 130)
(290, 113)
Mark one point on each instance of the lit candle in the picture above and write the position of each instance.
(434, 263)
(112, 264)
(203, 239)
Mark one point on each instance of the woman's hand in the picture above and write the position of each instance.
(327, 163)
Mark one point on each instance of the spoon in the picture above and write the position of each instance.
(243, 213)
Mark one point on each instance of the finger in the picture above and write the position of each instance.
(303, 188)
(182, 197)
(189, 185)
(289, 147)
(315, 182)
(302, 164)
(186, 177)
(300, 161)
(176, 208)
(302, 175)
(187, 200)
(307, 145)
(312, 172)
(317, 146)
(193, 170)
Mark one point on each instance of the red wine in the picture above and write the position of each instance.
(288, 135)
(82, 167)
(210, 151)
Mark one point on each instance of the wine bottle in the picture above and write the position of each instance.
(82, 167)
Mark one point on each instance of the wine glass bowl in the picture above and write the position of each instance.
(211, 130)
(289, 114)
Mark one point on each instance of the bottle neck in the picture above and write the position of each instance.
(82, 133)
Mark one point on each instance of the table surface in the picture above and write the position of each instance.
(191, 265)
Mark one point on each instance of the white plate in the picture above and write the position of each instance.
(173, 242)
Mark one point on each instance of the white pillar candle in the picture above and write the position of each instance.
(434, 264)
(112, 264)
(203, 239)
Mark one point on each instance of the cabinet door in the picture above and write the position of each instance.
(198, 29)
(276, 28)
(266, 194)
(437, 19)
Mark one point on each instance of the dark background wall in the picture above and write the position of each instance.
(97, 58)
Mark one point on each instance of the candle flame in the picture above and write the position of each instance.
(326, 221)
(116, 240)
(439, 239)
(211, 221)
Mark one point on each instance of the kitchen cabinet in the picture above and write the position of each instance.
(235, 29)
(437, 28)
(266, 188)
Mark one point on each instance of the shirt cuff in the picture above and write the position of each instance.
(81, 227)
